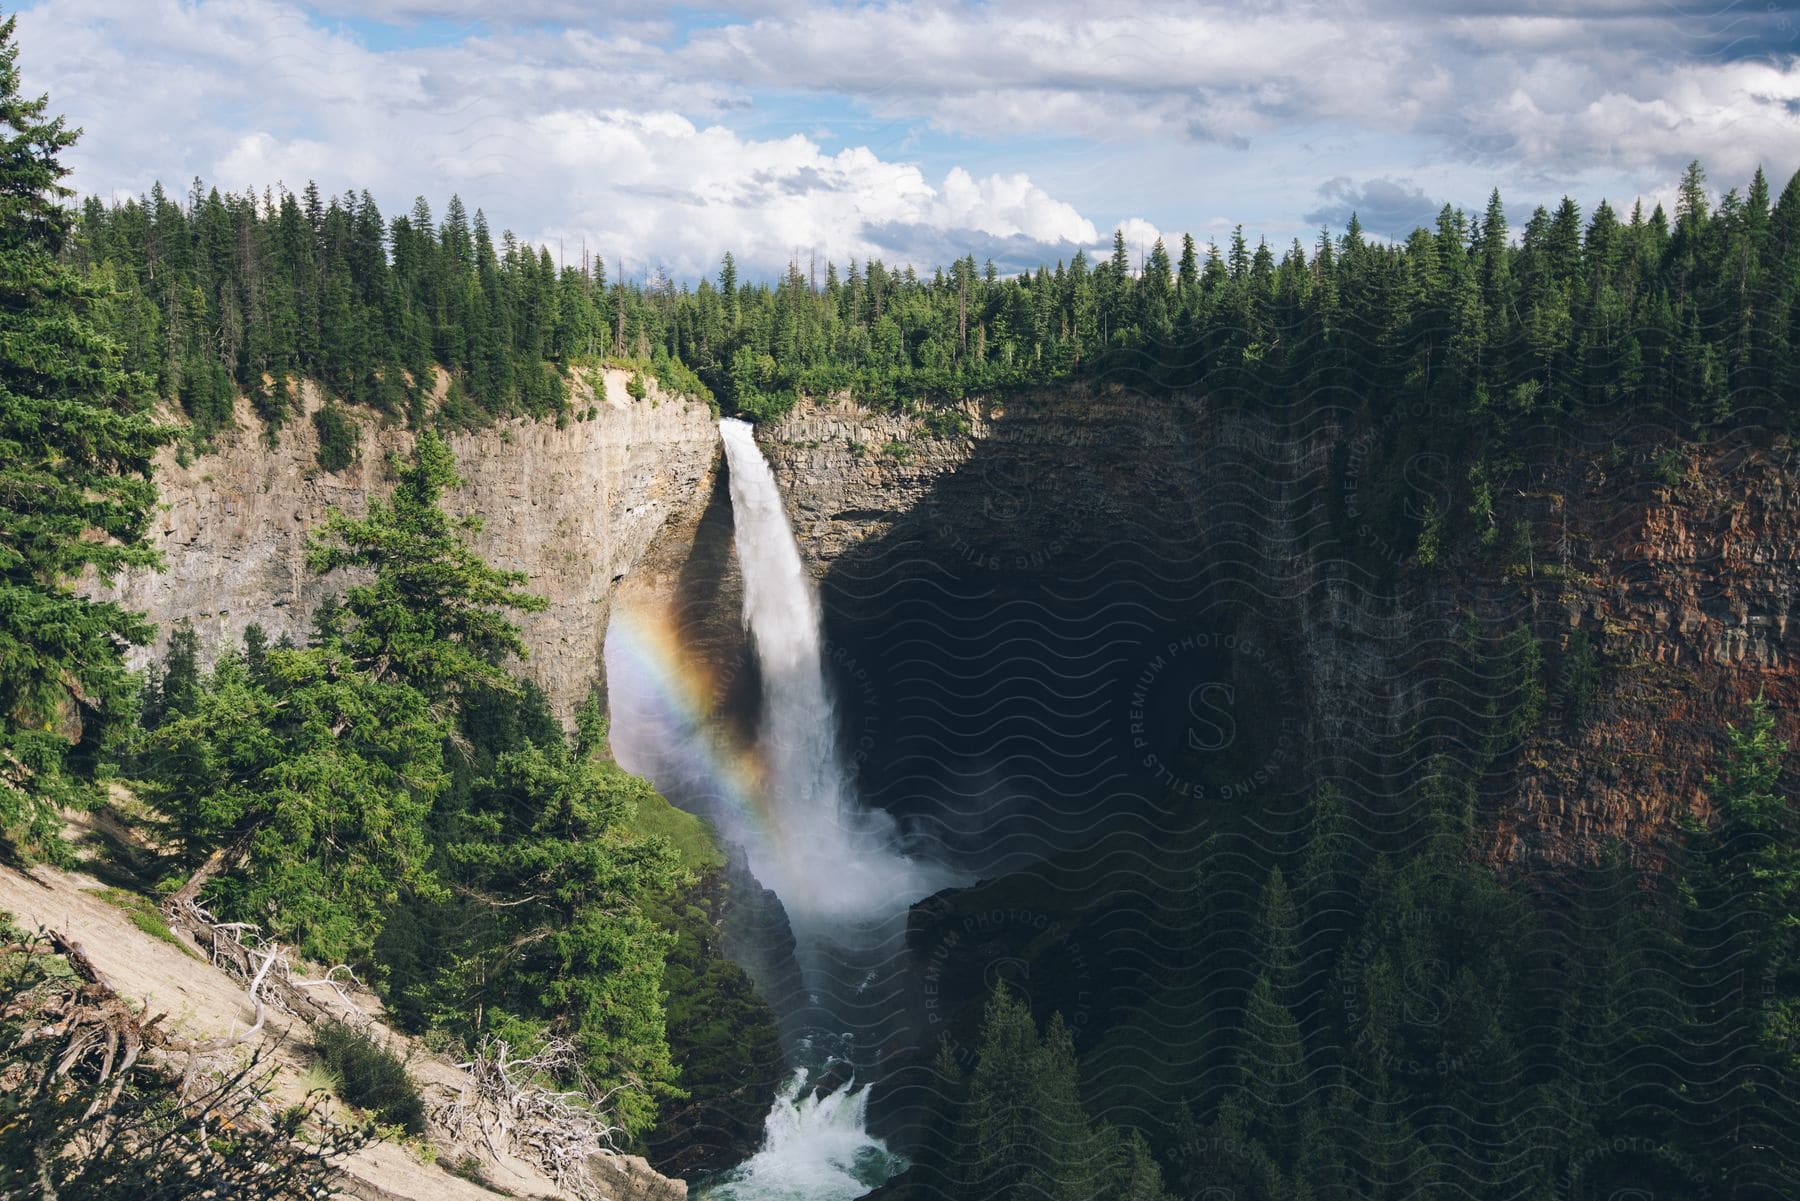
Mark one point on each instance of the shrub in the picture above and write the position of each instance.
(946, 423)
(369, 1076)
(1671, 467)
(765, 406)
(1579, 684)
(676, 378)
(338, 438)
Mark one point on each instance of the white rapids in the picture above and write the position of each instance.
(814, 1149)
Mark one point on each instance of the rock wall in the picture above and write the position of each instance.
(1012, 486)
(573, 507)
(1686, 586)
(1690, 583)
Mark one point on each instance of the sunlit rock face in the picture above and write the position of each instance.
(574, 506)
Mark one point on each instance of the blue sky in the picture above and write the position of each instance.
(916, 131)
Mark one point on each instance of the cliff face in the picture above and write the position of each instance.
(572, 507)
(1096, 531)
(1255, 533)
(1688, 577)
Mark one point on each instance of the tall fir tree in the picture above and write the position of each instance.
(76, 446)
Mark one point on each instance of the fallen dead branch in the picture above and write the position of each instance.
(97, 1029)
(99, 1113)
(237, 948)
(506, 1106)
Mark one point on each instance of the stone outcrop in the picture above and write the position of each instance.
(574, 506)
(629, 1178)
(1689, 581)
(1013, 486)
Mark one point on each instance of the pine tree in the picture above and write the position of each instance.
(1188, 276)
(1007, 1153)
(562, 938)
(1138, 1175)
(305, 793)
(302, 801)
(1024, 1133)
(1271, 1070)
(435, 613)
(76, 443)
(1742, 900)
(1277, 936)
(178, 683)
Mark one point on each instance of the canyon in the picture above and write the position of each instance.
(1062, 627)
(1217, 524)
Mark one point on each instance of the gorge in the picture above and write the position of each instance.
(1282, 717)
(1066, 645)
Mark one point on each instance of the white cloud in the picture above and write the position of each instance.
(537, 128)
(1670, 81)
(621, 127)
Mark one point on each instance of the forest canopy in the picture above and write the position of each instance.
(1692, 311)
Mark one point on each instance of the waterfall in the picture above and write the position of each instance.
(837, 866)
(830, 861)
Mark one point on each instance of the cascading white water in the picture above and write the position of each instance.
(837, 866)
(829, 861)
(814, 1149)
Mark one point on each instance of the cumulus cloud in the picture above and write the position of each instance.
(773, 199)
(646, 134)
(535, 126)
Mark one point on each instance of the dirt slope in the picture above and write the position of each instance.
(203, 1002)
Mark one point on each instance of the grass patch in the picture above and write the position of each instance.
(469, 1168)
(691, 836)
(146, 917)
(317, 1078)
(369, 1076)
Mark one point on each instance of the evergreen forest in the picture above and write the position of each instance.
(1352, 1011)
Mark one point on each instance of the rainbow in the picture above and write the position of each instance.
(656, 684)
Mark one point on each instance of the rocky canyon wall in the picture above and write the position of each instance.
(573, 507)
(1253, 530)
(1012, 525)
